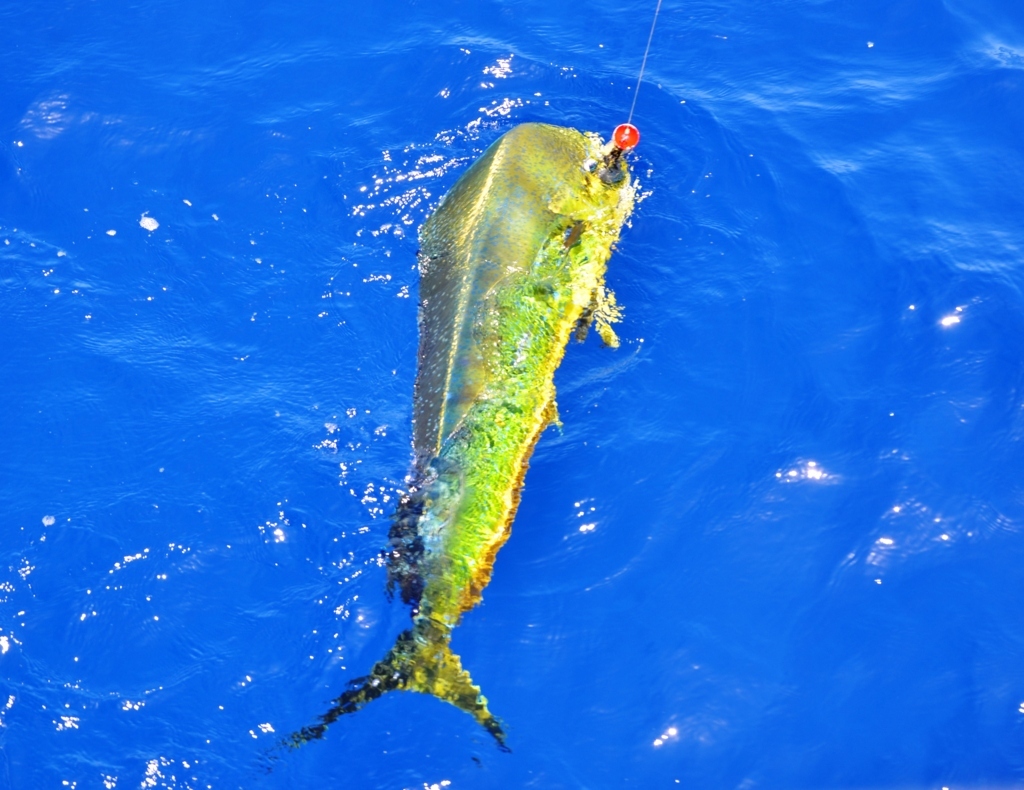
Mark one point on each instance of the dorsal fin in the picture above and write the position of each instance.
(495, 220)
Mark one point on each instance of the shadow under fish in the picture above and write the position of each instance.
(512, 264)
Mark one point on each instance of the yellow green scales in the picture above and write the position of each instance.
(512, 263)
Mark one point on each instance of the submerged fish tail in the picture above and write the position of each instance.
(421, 660)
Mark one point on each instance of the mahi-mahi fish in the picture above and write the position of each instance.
(512, 263)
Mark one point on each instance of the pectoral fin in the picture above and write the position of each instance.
(421, 660)
(606, 313)
(602, 312)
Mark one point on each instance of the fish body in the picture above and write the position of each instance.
(511, 262)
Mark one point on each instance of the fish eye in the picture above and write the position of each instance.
(589, 165)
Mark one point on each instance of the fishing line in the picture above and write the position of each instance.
(626, 136)
(643, 63)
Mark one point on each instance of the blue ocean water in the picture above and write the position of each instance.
(777, 542)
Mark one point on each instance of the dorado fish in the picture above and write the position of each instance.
(512, 265)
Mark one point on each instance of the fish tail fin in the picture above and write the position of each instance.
(421, 660)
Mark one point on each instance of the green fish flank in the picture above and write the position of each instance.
(512, 264)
